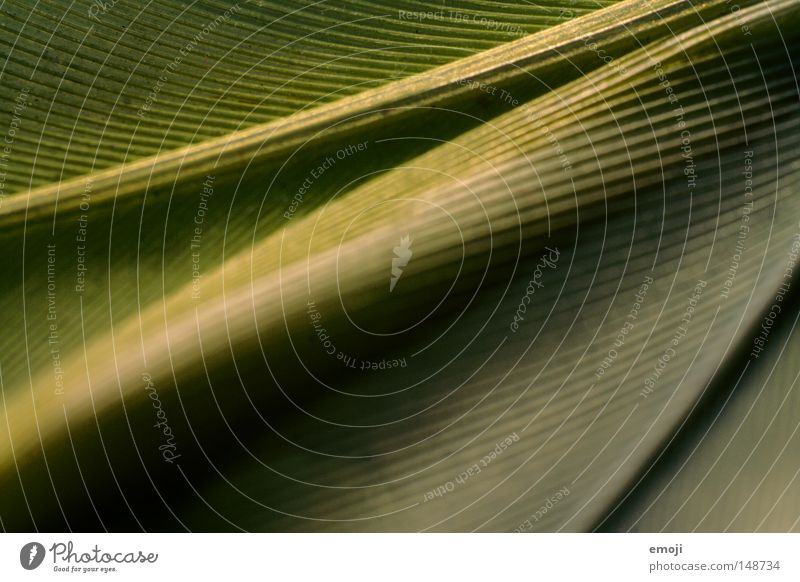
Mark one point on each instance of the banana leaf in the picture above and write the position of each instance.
(372, 266)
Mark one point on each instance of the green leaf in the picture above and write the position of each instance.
(511, 230)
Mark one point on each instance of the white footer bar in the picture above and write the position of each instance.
(400, 557)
